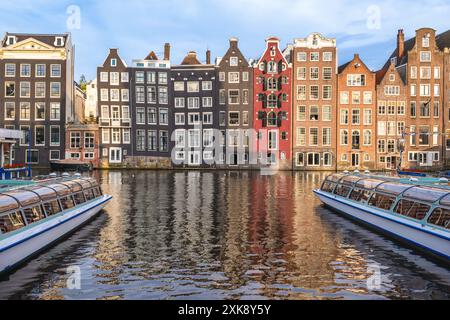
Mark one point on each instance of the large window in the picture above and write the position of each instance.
(55, 111)
(40, 111)
(140, 140)
(89, 140)
(152, 140)
(39, 134)
(75, 140)
(54, 136)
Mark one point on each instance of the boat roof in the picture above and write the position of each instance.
(395, 187)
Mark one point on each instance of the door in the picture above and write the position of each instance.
(115, 113)
(115, 155)
(234, 159)
(355, 159)
(194, 158)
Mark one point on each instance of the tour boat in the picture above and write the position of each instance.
(416, 214)
(37, 215)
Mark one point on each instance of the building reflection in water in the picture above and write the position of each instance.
(217, 234)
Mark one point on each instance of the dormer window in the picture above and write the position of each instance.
(394, 61)
(59, 41)
(114, 62)
(426, 41)
(10, 40)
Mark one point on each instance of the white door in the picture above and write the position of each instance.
(115, 155)
(194, 158)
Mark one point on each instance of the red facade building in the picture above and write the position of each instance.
(272, 106)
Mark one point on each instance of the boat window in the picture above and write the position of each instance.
(67, 202)
(342, 190)
(350, 180)
(97, 192)
(446, 201)
(412, 209)
(440, 217)
(73, 185)
(61, 189)
(8, 204)
(44, 192)
(33, 214)
(89, 194)
(369, 184)
(393, 188)
(328, 186)
(79, 198)
(426, 194)
(360, 195)
(335, 177)
(11, 222)
(24, 197)
(381, 201)
(52, 207)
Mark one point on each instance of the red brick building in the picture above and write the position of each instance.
(273, 106)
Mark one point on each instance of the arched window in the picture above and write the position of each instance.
(367, 137)
(272, 101)
(272, 119)
(272, 67)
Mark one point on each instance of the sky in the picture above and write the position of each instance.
(136, 26)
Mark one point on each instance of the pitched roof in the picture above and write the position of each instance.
(343, 66)
(191, 59)
(45, 38)
(151, 56)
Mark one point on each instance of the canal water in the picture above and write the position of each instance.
(223, 235)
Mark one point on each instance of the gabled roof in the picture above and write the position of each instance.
(190, 59)
(343, 66)
(355, 58)
(151, 56)
(48, 39)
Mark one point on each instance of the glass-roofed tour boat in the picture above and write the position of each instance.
(34, 216)
(412, 212)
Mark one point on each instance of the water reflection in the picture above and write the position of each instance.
(224, 235)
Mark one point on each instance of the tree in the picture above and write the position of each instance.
(83, 83)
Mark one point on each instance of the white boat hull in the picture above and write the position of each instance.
(21, 246)
(431, 240)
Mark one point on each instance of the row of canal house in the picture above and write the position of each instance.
(293, 108)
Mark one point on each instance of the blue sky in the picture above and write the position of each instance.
(137, 26)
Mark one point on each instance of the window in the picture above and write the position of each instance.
(272, 67)
(222, 120)
(425, 72)
(40, 70)
(314, 73)
(55, 111)
(301, 113)
(356, 97)
(233, 77)
(411, 209)
(233, 96)
(437, 72)
(326, 136)
(233, 118)
(381, 146)
(39, 135)
(115, 136)
(54, 155)
(40, 111)
(179, 102)
(301, 73)
(25, 90)
(424, 109)
(367, 137)
(10, 111)
(192, 86)
(89, 140)
(140, 77)
(103, 76)
(314, 56)
(32, 156)
(327, 56)
(367, 121)
(327, 92)
(344, 97)
(356, 80)
(25, 70)
(314, 113)
(151, 94)
(245, 96)
(151, 77)
(193, 118)
(163, 141)
(381, 125)
(152, 117)
(104, 94)
(245, 76)
(207, 102)
(194, 138)
(113, 62)
(163, 95)
(301, 137)
(163, 116)
(39, 90)
(115, 95)
(125, 95)
(440, 217)
(221, 76)
(179, 119)
(355, 116)
(152, 140)
(162, 77)
(301, 56)
(313, 136)
(344, 116)
(344, 137)
(436, 91)
(314, 92)
(10, 70)
(301, 92)
(193, 103)
(140, 115)
(114, 78)
(326, 113)
(327, 73)
(206, 85)
(54, 136)
(140, 140)
(55, 89)
(234, 61)
(413, 109)
(24, 111)
(222, 96)
(124, 77)
(425, 56)
(423, 136)
(75, 140)
(140, 94)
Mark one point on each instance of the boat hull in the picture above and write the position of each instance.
(421, 237)
(19, 248)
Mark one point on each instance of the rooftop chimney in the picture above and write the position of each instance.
(208, 56)
(233, 42)
(167, 51)
(400, 43)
